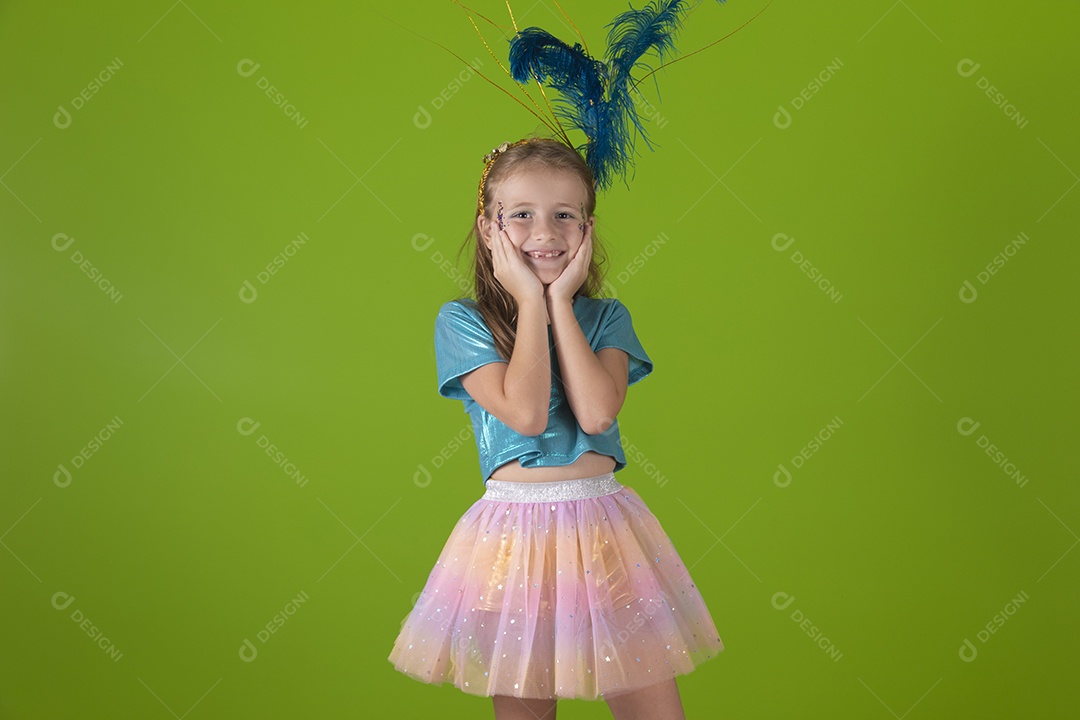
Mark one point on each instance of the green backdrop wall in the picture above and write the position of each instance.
(226, 231)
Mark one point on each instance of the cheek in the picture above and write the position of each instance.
(517, 235)
(575, 242)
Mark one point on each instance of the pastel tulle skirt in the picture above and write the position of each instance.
(567, 589)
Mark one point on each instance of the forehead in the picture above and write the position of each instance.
(542, 186)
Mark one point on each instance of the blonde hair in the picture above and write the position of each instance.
(498, 306)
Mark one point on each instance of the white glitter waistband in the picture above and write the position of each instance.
(554, 491)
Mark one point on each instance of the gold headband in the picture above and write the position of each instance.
(489, 160)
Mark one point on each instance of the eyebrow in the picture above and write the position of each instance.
(530, 204)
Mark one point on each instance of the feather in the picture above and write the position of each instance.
(635, 32)
(579, 79)
(536, 54)
(631, 35)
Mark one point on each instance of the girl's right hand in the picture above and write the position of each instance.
(511, 270)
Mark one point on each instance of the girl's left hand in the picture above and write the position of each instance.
(575, 272)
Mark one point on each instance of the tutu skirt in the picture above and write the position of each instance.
(566, 589)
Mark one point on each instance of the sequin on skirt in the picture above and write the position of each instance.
(567, 589)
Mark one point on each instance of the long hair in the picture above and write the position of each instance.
(498, 306)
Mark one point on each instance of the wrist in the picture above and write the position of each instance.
(532, 304)
(529, 295)
(559, 305)
(557, 295)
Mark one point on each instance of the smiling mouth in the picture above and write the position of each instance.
(544, 254)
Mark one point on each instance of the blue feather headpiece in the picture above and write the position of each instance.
(597, 97)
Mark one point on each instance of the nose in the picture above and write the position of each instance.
(543, 228)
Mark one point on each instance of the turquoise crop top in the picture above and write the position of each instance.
(463, 343)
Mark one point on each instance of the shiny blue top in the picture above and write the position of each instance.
(463, 343)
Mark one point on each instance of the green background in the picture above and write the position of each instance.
(898, 538)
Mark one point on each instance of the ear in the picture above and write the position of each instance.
(483, 229)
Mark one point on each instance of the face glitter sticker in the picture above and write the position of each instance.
(581, 225)
(502, 223)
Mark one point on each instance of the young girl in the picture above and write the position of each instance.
(558, 582)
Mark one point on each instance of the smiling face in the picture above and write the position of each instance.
(543, 213)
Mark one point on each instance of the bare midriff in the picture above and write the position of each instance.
(589, 464)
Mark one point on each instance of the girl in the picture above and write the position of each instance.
(558, 582)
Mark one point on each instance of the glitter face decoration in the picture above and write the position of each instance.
(581, 225)
(499, 216)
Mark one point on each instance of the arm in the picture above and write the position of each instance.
(518, 392)
(595, 382)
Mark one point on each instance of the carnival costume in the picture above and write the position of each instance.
(565, 589)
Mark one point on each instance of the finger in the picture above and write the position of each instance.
(506, 251)
(494, 250)
(511, 268)
(584, 253)
(498, 247)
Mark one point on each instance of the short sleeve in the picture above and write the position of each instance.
(618, 332)
(463, 343)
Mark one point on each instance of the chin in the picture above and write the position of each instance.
(548, 275)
